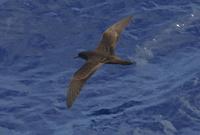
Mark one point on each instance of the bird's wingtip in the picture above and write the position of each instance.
(130, 17)
(68, 104)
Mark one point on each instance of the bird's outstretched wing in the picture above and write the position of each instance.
(79, 79)
(111, 36)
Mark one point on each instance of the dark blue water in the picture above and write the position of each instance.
(158, 96)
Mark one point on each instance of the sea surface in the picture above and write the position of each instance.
(160, 95)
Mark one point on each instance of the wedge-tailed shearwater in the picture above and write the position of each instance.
(103, 54)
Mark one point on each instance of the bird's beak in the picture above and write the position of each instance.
(75, 57)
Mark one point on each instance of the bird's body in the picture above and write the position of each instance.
(103, 58)
(103, 54)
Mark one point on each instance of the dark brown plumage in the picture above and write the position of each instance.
(103, 54)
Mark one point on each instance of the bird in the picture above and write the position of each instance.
(103, 54)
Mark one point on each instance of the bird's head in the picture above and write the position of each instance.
(83, 55)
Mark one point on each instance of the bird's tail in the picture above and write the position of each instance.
(117, 60)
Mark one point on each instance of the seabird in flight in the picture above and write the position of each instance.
(103, 54)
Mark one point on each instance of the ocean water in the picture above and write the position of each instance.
(160, 95)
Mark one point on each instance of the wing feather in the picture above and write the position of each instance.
(111, 36)
(79, 79)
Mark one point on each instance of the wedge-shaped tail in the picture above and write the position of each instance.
(117, 60)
